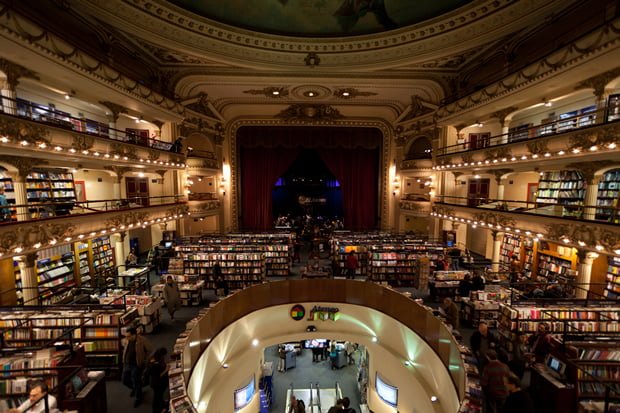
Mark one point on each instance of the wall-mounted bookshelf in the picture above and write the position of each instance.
(55, 274)
(598, 365)
(239, 270)
(50, 186)
(83, 260)
(608, 195)
(6, 182)
(612, 288)
(511, 246)
(554, 267)
(103, 267)
(563, 188)
(529, 252)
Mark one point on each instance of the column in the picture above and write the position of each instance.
(500, 190)
(591, 197)
(8, 97)
(584, 272)
(28, 274)
(8, 84)
(497, 245)
(19, 189)
(119, 247)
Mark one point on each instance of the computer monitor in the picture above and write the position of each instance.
(244, 395)
(168, 244)
(316, 343)
(556, 365)
(386, 392)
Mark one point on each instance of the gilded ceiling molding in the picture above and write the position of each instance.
(82, 142)
(494, 219)
(441, 210)
(33, 36)
(501, 114)
(18, 130)
(200, 104)
(14, 72)
(498, 173)
(420, 39)
(598, 82)
(598, 42)
(118, 170)
(270, 92)
(589, 169)
(467, 158)
(115, 110)
(351, 93)
(537, 147)
(496, 153)
(24, 165)
(231, 135)
(26, 236)
(591, 235)
(121, 221)
(307, 113)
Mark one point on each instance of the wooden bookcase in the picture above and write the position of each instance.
(612, 277)
(103, 266)
(608, 195)
(50, 186)
(562, 187)
(55, 274)
(552, 266)
(511, 246)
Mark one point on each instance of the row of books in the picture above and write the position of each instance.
(564, 313)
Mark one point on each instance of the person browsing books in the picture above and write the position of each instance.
(36, 400)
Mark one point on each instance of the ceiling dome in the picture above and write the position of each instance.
(320, 18)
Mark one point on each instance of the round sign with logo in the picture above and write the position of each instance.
(298, 312)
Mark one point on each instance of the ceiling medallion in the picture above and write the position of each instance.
(313, 92)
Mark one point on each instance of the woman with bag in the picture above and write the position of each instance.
(171, 296)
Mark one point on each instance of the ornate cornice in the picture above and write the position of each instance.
(591, 235)
(22, 131)
(33, 36)
(498, 173)
(501, 114)
(82, 142)
(118, 170)
(24, 165)
(598, 82)
(577, 52)
(351, 93)
(270, 92)
(307, 113)
(122, 221)
(537, 146)
(115, 110)
(494, 219)
(201, 106)
(27, 236)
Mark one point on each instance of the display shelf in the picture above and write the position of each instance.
(133, 278)
(612, 288)
(608, 195)
(82, 269)
(6, 182)
(55, 277)
(529, 252)
(147, 307)
(239, 270)
(484, 305)
(398, 263)
(446, 283)
(598, 365)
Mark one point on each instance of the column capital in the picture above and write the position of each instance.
(586, 257)
(588, 169)
(27, 261)
(599, 82)
(502, 113)
(14, 72)
(114, 110)
(119, 171)
(24, 165)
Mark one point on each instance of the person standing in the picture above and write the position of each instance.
(518, 400)
(349, 348)
(282, 358)
(157, 370)
(5, 213)
(494, 381)
(481, 342)
(541, 343)
(351, 265)
(515, 269)
(296, 406)
(451, 312)
(135, 354)
(345, 405)
(337, 408)
(465, 286)
(132, 258)
(172, 297)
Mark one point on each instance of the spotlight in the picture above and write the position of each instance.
(310, 329)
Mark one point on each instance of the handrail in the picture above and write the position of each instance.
(554, 209)
(583, 121)
(44, 210)
(41, 114)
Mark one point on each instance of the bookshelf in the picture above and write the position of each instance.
(398, 263)
(612, 277)
(601, 360)
(190, 288)
(529, 252)
(55, 274)
(511, 246)
(239, 269)
(97, 330)
(613, 108)
(485, 305)
(555, 267)
(446, 283)
(102, 262)
(82, 259)
(147, 308)
(608, 195)
(6, 182)
(50, 186)
(561, 187)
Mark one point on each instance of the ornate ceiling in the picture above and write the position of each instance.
(234, 61)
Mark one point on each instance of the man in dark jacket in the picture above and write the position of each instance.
(481, 342)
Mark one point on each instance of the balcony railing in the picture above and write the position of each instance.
(202, 196)
(580, 122)
(594, 213)
(45, 210)
(197, 153)
(50, 116)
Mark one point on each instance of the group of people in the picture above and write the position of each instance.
(342, 406)
(501, 378)
(142, 366)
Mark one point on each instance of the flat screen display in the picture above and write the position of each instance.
(316, 343)
(556, 365)
(168, 244)
(386, 392)
(244, 395)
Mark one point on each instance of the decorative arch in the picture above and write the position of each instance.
(420, 148)
(200, 142)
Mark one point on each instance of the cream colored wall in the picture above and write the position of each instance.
(413, 223)
(96, 190)
(206, 184)
(477, 241)
(535, 115)
(144, 238)
(517, 191)
(426, 377)
(209, 224)
(126, 122)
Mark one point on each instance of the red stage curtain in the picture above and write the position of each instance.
(357, 170)
(352, 155)
(260, 168)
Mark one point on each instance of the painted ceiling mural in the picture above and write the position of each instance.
(320, 17)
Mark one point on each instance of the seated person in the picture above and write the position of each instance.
(313, 265)
(36, 402)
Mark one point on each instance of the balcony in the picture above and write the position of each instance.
(39, 132)
(573, 225)
(203, 204)
(41, 225)
(198, 159)
(594, 133)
